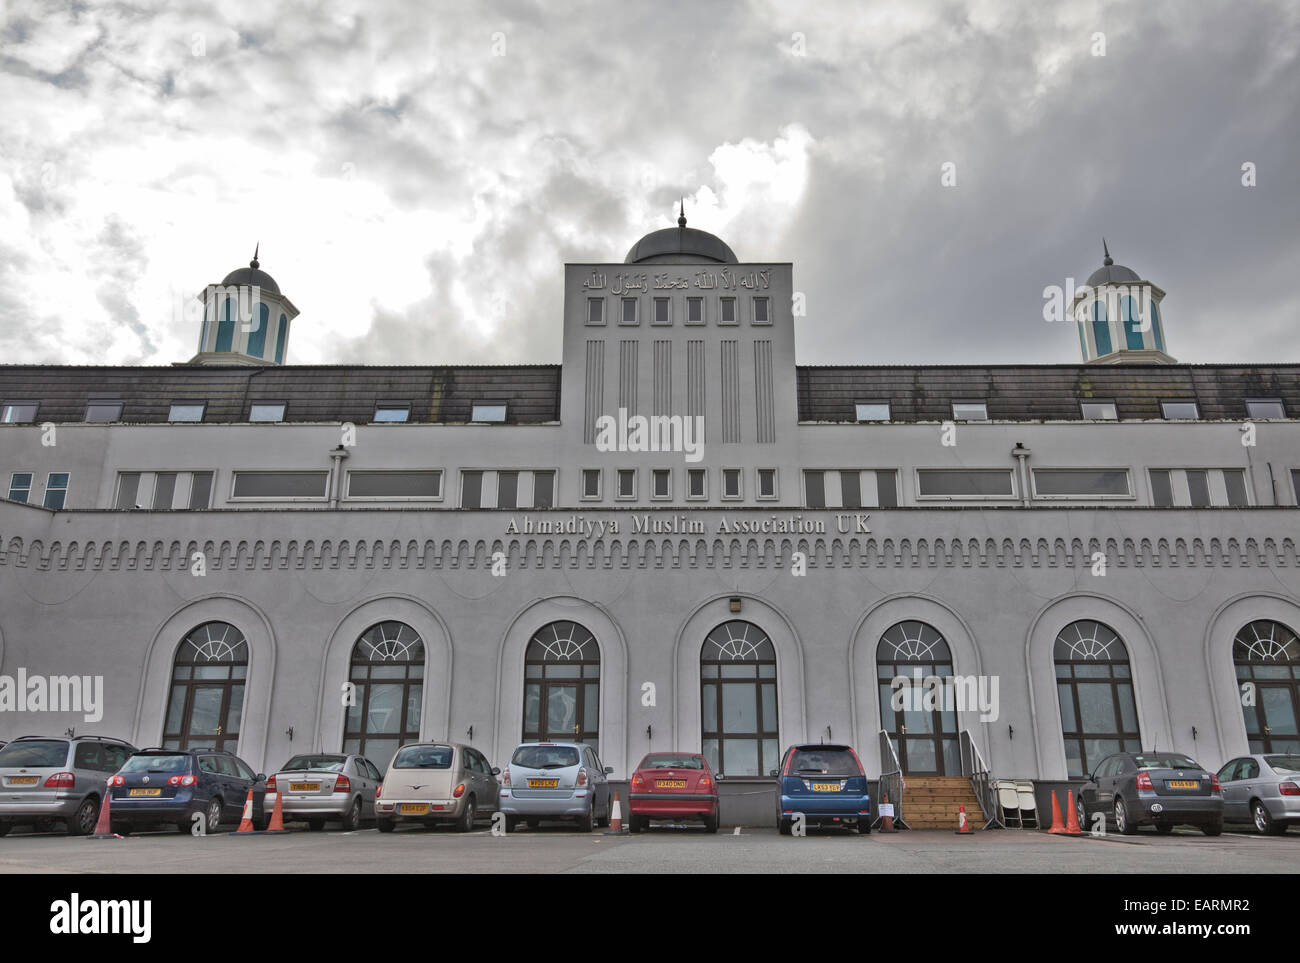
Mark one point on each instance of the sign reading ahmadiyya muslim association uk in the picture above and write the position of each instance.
(680, 523)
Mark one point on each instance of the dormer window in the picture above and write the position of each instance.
(392, 412)
(489, 411)
(266, 411)
(103, 411)
(1098, 411)
(17, 412)
(970, 411)
(1265, 408)
(872, 411)
(186, 411)
(1180, 410)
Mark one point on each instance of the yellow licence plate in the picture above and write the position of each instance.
(1183, 784)
(670, 783)
(826, 787)
(145, 792)
(24, 780)
(543, 783)
(304, 787)
(413, 809)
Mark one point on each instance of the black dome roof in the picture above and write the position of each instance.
(681, 243)
(1110, 272)
(252, 275)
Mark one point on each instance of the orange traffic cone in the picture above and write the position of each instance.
(963, 827)
(104, 827)
(1072, 820)
(277, 816)
(887, 822)
(246, 824)
(1058, 828)
(615, 818)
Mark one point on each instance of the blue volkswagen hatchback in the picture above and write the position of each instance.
(171, 785)
(827, 785)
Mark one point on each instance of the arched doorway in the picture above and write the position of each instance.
(1094, 687)
(738, 707)
(1267, 657)
(914, 672)
(207, 689)
(387, 676)
(562, 685)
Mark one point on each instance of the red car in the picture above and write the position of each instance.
(673, 785)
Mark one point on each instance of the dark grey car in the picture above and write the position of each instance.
(1161, 789)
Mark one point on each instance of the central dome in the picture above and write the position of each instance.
(252, 275)
(678, 244)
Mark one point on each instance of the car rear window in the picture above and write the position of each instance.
(1164, 760)
(424, 757)
(35, 754)
(1286, 765)
(669, 760)
(545, 757)
(157, 763)
(327, 763)
(838, 762)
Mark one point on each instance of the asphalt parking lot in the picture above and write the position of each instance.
(661, 850)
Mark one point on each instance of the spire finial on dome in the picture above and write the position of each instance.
(253, 263)
(1108, 261)
(681, 216)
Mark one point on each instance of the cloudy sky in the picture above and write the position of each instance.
(417, 173)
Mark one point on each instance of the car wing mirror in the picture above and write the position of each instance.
(496, 771)
(260, 777)
(773, 773)
(609, 770)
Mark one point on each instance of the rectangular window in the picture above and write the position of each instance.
(626, 483)
(873, 411)
(663, 311)
(128, 489)
(393, 412)
(662, 480)
(1198, 488)
(1179, 410)
(814, 489)
(1162, 489)
(694, 310)
(850, 489)
(595, 310)
(395, 484)
(629, 311)
(591, 483)
(970, 411)
(1234, 480)
(728, 312)
(16, 412)
(164, 490)
(266, 411)
(963, 483)
(543, 489)
(471, 489)
(488, 411)
(1099, 411)
(56, 489)
(201, 490)
(1265, 408)
(103, 411)
(20, 486)
(1081, 482)
(279, 484)
(761, 314)
(507, 489)
(887, 489)
(731, 483)
(767, 483)
(696, 483)
(186, 411)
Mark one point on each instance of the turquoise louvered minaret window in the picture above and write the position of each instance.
(279, 340)
(1155, 327)
(1100, 328)
(226, 326)
(257, 337)
(1132, 321)
(1083, 339)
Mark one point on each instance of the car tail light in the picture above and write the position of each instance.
(1288, 788)
(270, 785)
(638, 780)
(379, 790)
(788, 763)
(342, 784)
(458, 791)
(174, 781)
(61, 780)
(706, 783)
(181, 780)
(582, 777)
(1144, 782)
(1214, 784)
(116, 781)
(861, 771)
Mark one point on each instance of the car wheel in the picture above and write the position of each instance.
(1122, 824)
(512, 823)
(466, 821)
(1081, 813)
(315, 825)
(352, 821)
(213, 816)
(603, 821)
(585, 821)
(634, 824)
(384, 825)
(83, 823)
(864, 826)
(711, 822)
(1213, 829)
(785, 826)
(4, 829)
(532, 823)
(1264, 821)
(1164, 829)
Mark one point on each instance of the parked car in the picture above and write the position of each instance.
(827, 784)
(673, 785)
(555, 780)
(437, 782)
(325, 787)
(55, 779)
(1163, 789)
(1263, 789)
(171, 785)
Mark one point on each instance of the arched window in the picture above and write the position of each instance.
(226, 326)
(1083, 337)
(917, 700)
(257, 336)
(1267, 655)
(387, 694)
(1100, 327)
(738, 715)
(1094, 686)
(562, 685)
(279, 339)
(1132, 321)
(207, 692)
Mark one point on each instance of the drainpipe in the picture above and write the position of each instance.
(1022, 455)
(336, 474)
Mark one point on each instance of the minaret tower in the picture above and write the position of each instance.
(245, 319)
(1118, 316)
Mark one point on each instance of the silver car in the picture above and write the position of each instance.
(437, 782)
(54, 779)
(555, 780)
(1263, 789)
(327, 786)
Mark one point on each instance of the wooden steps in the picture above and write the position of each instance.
(931, 802)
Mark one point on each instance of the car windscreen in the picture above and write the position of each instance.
(327, 763)
(669, 760)
(545, 757)
(1164, 760)
(424, 757)
(825, 762)
(1284, 765)
(159, 762)
(35, 754)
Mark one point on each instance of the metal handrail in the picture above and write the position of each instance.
(891, 781)
(976, 770)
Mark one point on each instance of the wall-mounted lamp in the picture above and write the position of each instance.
(470, 732)
(70, 732)
(734, 605)
(1011, 732)
(289, 732)
(1193, 733)
(650, 732)
(828, 733)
